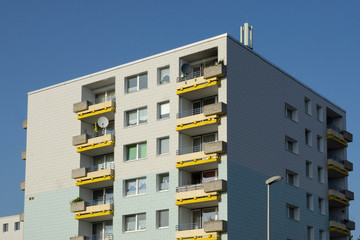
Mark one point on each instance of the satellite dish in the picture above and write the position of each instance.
(186, 68)
(103, 122)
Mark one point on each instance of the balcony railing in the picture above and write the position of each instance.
(336, 188)
(189, 226)
(98, 167)
(336, 158)
(100, 133)
(333, 127)
(100, 236)
(100, 201)
(190, 112)
(336, 219)
(187, 150)
(102, 99)
(194, 74)
(190, 187)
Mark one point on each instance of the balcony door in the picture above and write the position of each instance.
(198, 104)
(200, 216)
(198, 141)
(204, 176)
(104, 162)
(103, 196)
(102, 230)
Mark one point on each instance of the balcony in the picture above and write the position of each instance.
(338, 167)
(340, 227)
(95, 176)
(208, 153)
(339, 197)
(203, 119)
(200, 195)
(90, 111)
(94, 144)
(201, 83)
(205, 231)
(93, 211)
(337, 138)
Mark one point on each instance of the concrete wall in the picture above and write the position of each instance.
(11, 233)
(257, 93)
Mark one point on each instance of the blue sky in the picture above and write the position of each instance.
(47, 42)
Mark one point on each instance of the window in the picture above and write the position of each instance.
(136, 83)
(320, 144)
(136, 151)
(307, 106)
(310, 233)
(136, 117)
(309, 169)
(292, 178)
(308, 137)
(309, 202)
(164, 75)
(291, 145)
(321, 206)
(319, 113)
(291, 112)
(163, 110)
(293, 212)
(163, 182)
(163, 145)
(321, 234)
(17, 226)
(321, 178)
(135, 186)
(5, 227)
(162, 218)
(135, 222)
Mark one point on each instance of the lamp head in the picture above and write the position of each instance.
(273, 180)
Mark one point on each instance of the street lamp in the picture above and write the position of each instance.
(268, 182)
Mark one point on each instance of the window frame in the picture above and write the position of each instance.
(319, 113)
(321, 174)
(294, 176)
(308, 106)
(158, 219)
(137, 151)
(309, 202)
(136, 187)
(16, 226)
(159, 75)
(159, 152)
(5, 227)
(321, 206)
(296, 212)
(136, 222)
(159, 181)
(159, 117)
(127, 123)
(294, 113)
(309, 165)
(137, 76)
(320, 143)
(294, 143)
(308, 137)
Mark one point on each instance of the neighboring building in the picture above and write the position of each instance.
(11, 227)
(188, 139)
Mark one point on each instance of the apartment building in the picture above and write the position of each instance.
(179, 146)
(12, 227)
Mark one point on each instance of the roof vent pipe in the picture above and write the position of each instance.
(246, 35)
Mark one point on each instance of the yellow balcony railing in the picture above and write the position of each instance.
(337, 199)
(96, 179)
(85, 111)
(94, 146)
(338, 229)
(336, 169)
(100, 212)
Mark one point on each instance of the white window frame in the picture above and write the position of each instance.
(308, 138)
(127, 124)
(307, 103)
(16, 226)
(159, 110)
(158, 219)
(137, 82)
(159, 75)
(309, 165)
(310, 231)
(136, 187)
(137, 151)
(322, 234)
(136, 223)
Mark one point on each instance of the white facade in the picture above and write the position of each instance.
(11, 228)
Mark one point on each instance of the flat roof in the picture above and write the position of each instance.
(178, 49)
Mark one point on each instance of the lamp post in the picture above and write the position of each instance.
(268, 183)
